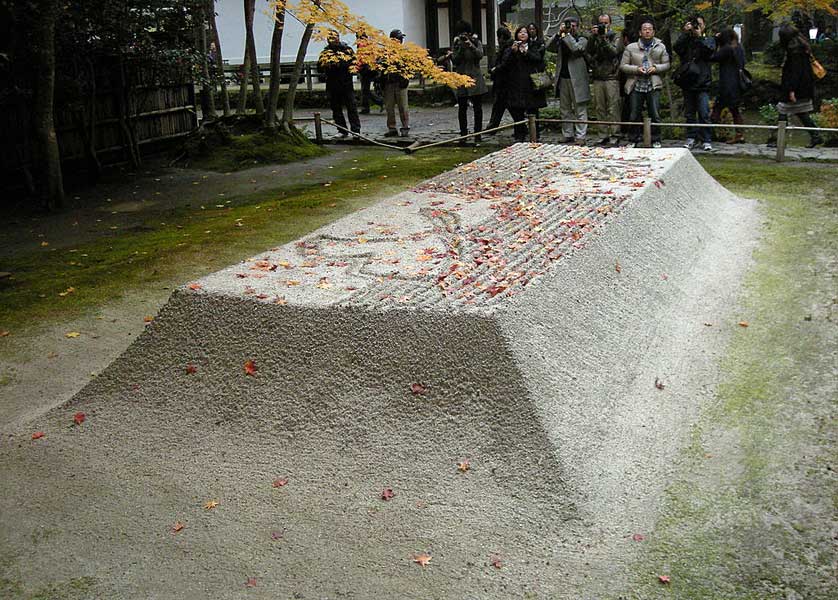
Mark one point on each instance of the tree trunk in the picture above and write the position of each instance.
(250, 42)
(219, 61)
(288, 111)
(208, 88)
(242, 103)
(276, 57)
(49, 183)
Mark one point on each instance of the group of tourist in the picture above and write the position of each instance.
(622, 77)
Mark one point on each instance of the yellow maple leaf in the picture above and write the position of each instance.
(72, 334)
(210, 504)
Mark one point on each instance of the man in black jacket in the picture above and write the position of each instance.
(693, 76)
(335, 61)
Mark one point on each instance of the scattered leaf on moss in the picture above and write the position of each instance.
(79, 418)
(250, 367)
(72, 334)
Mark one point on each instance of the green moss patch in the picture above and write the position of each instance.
(752, 513)
(195, 241)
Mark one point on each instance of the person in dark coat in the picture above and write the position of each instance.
(498, 79)
(335, 62)
(519, 61)
(466, 55)
(731, 59)
(797, 85)
(695, 51)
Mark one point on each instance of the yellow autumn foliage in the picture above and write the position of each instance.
(377, 49)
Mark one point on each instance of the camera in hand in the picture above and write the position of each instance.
(567, 24)
(600, 28)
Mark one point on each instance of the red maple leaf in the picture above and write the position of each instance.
(417, 389)
(190, 369)
(495, 562)
(664, 578)
(79, 418)
(659, 384)
(38, 435)
(195, 286)
(387, 494)
(280, 482)
(638, 537)
(250, 367)
(251, 582)
(177, 526)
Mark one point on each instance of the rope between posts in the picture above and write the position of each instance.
(358, 135)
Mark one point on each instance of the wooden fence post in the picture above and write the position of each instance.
(318, 128)
(531, 125)
(647, 132)
(781, 140)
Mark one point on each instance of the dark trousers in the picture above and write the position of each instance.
(806, 119)
(651, 100)
(498, 108)
(521, 132)
(340, 99)
(368, 94)
(462, 113)
(697, 104)
(716, 116)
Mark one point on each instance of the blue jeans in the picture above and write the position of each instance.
(697, 102)
(652, 102)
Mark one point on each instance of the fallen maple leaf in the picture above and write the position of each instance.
(195, 286)
(387, 494)
(495, 562)
(280, 482)
(79, 418)
(251, 582)
(250, 367)
(210, 504)
(276, 535)
(190, 369)
(707, 324)
(422, 559)
(177, 526)
(67, 292)
(4, 333)
(464, 465)
(417, 389)
(617, 267)
(148, 319)
(72, 334)
(659, 384)
(663, 578)
(743, 323)
(638, 537)
(38, 435)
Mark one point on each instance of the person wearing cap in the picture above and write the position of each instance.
(395, 84)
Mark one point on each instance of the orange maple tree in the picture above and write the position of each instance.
(379, 51)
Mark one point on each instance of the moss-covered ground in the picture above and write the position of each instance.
(190, 241)
(753, 512)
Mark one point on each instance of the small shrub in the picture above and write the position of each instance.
(768, 114)
(828, 117)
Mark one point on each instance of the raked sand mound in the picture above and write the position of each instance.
(486, 346)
